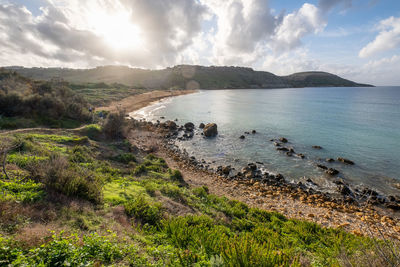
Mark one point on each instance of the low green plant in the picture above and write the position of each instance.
(144, 210)
(125, 158)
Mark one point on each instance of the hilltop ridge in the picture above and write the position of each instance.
(189, 77)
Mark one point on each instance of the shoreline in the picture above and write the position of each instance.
(136, 102)
(293, 201)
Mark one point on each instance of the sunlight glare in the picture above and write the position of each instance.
(117, 30)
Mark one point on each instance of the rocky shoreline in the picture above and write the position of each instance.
(364, 203)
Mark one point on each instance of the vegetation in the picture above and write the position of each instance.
(71, 200)
(28, 103)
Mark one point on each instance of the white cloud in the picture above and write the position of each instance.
(387, 39)
(296, 25)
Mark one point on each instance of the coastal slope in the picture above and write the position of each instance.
(188, 77)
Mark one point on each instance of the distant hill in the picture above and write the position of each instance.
(188, 76)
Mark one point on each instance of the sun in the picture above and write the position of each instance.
(117, 30)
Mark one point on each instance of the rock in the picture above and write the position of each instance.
(277, 144)
(300, 155)
(289, 154)
(291, 150)
(332, 171)
(317, 147)
(210, 130)
(242, 137)
(162, 117)
(282, 149)
(170, 125)
(201, 126)
(346, 161)
(283, 140)
(329, 160)
(322, 166)
(344, 190)
(226, 170)
(396, 185)
(189, 126)
(392, 206)
(254, 131)
(247, 132)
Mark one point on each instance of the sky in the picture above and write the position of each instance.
(355, 39)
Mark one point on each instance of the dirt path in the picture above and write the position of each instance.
(136, 102)
(367, 221)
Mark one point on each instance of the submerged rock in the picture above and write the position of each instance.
(332, 171)
(283, 140)
(322, 167)
(282, 149)
(317, 147)
(254, 131)
(329, 160)
(210, 130)
(346, 161)
(242, 137)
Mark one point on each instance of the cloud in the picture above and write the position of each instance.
(296, 25)
(65, 31)
(387, 39)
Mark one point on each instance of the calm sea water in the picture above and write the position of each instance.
(362, 124)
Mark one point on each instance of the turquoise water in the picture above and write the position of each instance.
(362, 124)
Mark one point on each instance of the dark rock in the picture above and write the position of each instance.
(300, 155)
(277, 144)
(189, 126)
(332, 171)
(282, 149)
(329, 160)
(283, 140)
(210, 130)
(259, 162)
(289, 154)
(254, 131)
(392, 205)
(291, 150)
(322, 166)
(170, 125)
(317, 147)
(162, 117)
(344, 190)
(201, 126)
(226, 170)
(247, 132)
(346, 161)
(242, 137)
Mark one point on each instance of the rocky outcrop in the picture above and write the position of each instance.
(189, 126)
(346, 161)
(210, 130)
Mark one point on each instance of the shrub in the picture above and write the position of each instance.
(176, 175)
(80, 154)
(114, 125)
(144, 211)
(59, 176)
(93, 131)
(125, 158)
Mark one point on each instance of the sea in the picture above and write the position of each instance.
(358, 123)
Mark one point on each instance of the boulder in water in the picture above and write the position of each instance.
(210, 130)
(346, 161)
(201, 126)
(283, 140)
(189, 126)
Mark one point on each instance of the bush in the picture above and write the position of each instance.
(59, 176)
(93, 131)
(113, 127)
(176, 175)
(125, 158)
(144, 211)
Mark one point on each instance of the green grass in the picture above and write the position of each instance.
(166, 222)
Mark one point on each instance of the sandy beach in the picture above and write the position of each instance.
(136, 102)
